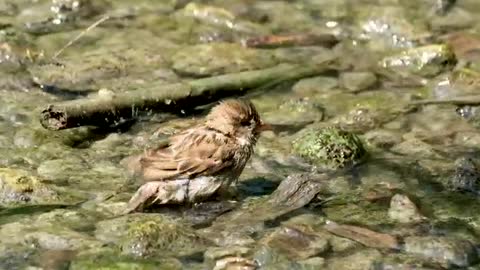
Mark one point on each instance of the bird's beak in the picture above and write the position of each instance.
(264, 127)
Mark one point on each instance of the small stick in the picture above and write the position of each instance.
(459, 101)
(95, 24)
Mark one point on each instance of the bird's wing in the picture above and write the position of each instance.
(188, 155)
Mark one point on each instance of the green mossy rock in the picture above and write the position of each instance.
(329, 148)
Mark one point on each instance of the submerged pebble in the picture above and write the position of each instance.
(447, 251)
(466, 176)
(403, 210)
(19, 187)
(219, 58)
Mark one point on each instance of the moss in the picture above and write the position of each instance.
(19, 186)
(110, 259)
(329, 148)
(160, 236)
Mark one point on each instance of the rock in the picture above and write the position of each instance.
(213, 254)
(444, 250)
(310, 86)
(19, 186)
(312, 263)
(363, 259)
(456, 18)
(416, 148)
(238, 226)
(219, 58)
(45, 236)
(143, 235)
(389, 26)
(357, 81)
(403, 210)
(219, 17)
(329, 147)
(109, 258)
(426, 61)
(299, 111)
(161, 235)
(26, 138)
(382, 138)
(270, 259)
(466, 176)
(340, 244)
(61, 169)
(364, 111)
(106, 66)
(61, 15)
(298, 242)
(12, 59)
(232, 257)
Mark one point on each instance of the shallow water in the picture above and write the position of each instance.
(62, 192)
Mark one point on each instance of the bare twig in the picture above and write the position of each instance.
(88, 29)
(459, 101)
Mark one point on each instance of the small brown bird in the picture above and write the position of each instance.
(201, 161)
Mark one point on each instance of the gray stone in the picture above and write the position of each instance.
(444, 250)
(357, 81)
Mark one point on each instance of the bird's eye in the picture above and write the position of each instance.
(245, 123)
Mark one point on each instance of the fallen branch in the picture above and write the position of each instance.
(304, 39)
(114, 108)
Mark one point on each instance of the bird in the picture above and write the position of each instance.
(201, 161)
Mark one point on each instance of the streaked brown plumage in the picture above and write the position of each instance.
(215, 152)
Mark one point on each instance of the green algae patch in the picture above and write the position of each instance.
(107, 258)
(160, 235)
(329, 148)
(19, 186)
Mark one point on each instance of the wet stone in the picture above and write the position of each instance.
(415, 147)
(363, 259)
(45, 236)
(271, 259)
(110, 258)
(59, 169)
(232, 257)
(312, 263)
(19, 186)
(219, 58)
(329, 147)
(295, 111)
(45, 17)
(112, 66)
(143, 235)
(403, 210)
(298, 242)
(357, 81)
(26, 138)
(314, 85)
(220, 18)
(444, 250)
(388, 26)
(466, 176)
(426, 61)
